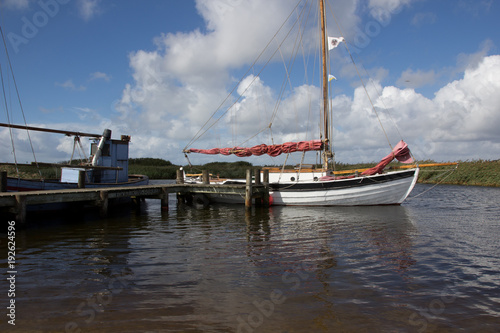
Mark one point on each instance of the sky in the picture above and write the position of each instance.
(158, 69)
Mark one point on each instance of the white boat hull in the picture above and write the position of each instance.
(390, 188)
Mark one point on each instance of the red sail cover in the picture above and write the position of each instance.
(401, 152)
(272, 150)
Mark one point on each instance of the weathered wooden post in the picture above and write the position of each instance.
(180, 180)
(20, 209)
(257, 182)
(3, 181)
(103, 203)
(81, 179)
(257, 176)
(205, 177)
(265, 177)
(248, 190)
(265, 181)
(180, 177)
(164, 199)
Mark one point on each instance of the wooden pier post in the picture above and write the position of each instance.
(81, 179)
(103, 203)
(180, 177)
(3, 181)
(179, 180)
(20, 209)
(257, 182)
(248, 190)
(257, 176)
(265, 177)
(265, 181)
(205, 177)
(164, 200)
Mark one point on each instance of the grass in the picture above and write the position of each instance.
(31, 172)
(474, 173)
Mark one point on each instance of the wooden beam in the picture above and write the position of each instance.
(49, 130)
(96, 167)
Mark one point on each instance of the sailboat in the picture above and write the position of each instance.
(323, 186)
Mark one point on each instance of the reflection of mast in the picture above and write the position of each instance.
(326, 149)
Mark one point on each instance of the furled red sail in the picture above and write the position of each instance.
(401, 152)
(271, 150)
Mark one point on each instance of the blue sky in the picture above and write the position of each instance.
(157, 69)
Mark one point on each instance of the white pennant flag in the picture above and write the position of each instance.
(331, 77)
(333, 42)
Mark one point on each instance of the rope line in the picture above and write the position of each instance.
(20, 103)
(199, 134)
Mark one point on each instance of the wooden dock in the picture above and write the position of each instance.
(18, 202)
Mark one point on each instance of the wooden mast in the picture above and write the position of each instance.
(326, 150)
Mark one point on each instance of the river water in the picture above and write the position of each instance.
(429, 265)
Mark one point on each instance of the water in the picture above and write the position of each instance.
(430, 265)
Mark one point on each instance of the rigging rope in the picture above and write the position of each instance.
(19, 100)
(199, 134)
(8, 121)
(361, 79)
(450, 172)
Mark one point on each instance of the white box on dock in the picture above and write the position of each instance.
(70, 175)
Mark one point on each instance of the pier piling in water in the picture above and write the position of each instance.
(248, 189)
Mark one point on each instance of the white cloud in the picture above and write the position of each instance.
(458, 123)
(68, 84)
(100, 76)
(88, 8)
(381, 10)
(472, 60)
(47, 147)
(421, 19)
(474, 7)
(416, 79)
(15, 4)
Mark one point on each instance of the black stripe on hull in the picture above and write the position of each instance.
(342, 183)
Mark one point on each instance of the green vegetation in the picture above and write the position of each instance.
(478, 172)
(154, 168)
(222, 169)
(31, 172)
(148, 161)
